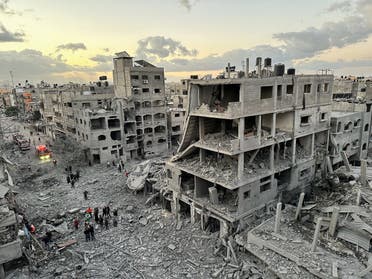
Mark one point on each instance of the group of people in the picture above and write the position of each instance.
(119, 165)
(71, 177)
(101, 219)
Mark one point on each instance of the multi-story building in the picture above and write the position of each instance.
(249, 141)
(10, 244)
(84, 113)
(177, 103)
(139, 88)
(350, 130)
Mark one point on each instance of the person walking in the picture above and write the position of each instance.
(85, 195)
(54, 162)
(72, 183)
(100, 220)
(91, 232)
(76, 223)
(106, 223)
(87, 232)
(96, 213)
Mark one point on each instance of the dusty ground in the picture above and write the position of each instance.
(147, 243)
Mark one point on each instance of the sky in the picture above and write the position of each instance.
(75, 40)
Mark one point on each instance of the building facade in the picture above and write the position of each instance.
(247, 142)
(140, 91)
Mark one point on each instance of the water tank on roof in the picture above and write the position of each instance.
(194, 77)
(267, 62)
(258, 61)
(103, 78)
(291, 71)
(279, 69)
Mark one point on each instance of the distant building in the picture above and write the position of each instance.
(139, 88)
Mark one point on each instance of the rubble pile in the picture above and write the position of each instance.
(223, 170)
(219, 141)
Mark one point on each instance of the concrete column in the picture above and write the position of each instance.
(299, 206)
(346, 161)
(259, 128)
(312, 145)
(359, 194)
(278, 216)
(241, 166)
(316, 234)
(333, 223)
(192, 213)
(275, 94)
(272, 157)
(363, 172)
(294, 151)
(202, 155)
(273, 127)
(201, 128)
(176, 207)
(241, 129)
(329, 165)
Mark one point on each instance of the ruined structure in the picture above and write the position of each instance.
(177, 104)
(84, 113)
(140, 92)
(249, 141)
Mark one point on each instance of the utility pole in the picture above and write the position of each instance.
(11, 78)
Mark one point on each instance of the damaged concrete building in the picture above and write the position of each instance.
(10, 244)
(249, 141)
(84, 113)
(177, 103)
(140, 92)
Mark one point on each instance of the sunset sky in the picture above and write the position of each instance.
(65, 40)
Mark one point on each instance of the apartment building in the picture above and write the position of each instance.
(249, 141)
(140, 92)
(177, 103)
(84, 113)
(350, 130)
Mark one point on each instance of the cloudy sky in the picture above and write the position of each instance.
(75, 40)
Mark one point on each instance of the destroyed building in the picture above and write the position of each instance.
(140, 92)
(177, 103)
(10, 244)
(249, 139)
(84, 113)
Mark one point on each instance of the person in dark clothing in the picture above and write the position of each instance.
(70, 168)
(115, 212)
(77, 175)
(68, 179)
(113, 163)
(108, 211)
(87, 232)
(72, 183)
(100, 220)
(76, 223)
(104, 211)
(106, 223)
(96, 212)
(55, 162)
(90, 163)
(119, 168)
(91, 232)
(47, 239)
(115, 222)
(85, 194)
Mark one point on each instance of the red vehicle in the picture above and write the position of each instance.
(23, 143)
(43, 152)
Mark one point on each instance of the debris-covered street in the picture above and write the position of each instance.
(147, 242)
